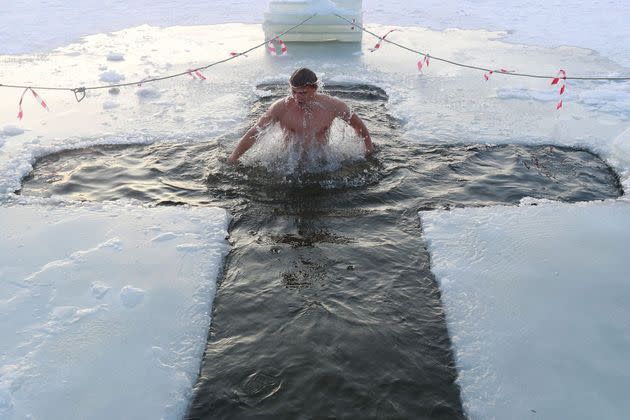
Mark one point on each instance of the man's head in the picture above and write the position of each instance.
(303, 77)
(303, 85)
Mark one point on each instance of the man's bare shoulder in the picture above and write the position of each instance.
(328, 100)
(339, 107)
(278, 106)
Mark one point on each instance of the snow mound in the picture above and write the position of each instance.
(111, 76)
(131, 296)
(148, 93)
(110, 105)
(11, 130)
(113, 56)
(99, 289)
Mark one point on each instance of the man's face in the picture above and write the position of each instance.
(303, 94)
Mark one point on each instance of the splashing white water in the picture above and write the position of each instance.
(284, 154)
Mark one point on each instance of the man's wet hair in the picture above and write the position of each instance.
(303, 77)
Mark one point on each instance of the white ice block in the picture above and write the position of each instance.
(105, 308)
(536, 301)
(323, 27)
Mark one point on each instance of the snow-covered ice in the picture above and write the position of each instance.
(110, 105)
(11, 130)
(86, 298)
(148, 93)
(536, 302)
(601, 26)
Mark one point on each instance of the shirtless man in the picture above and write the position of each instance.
(304, 116)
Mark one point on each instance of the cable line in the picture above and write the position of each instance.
(83, 89)
(79, 92)
(468, 66)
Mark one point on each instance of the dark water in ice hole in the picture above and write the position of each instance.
(327, 307)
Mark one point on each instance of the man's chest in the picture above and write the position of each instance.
(305, 121)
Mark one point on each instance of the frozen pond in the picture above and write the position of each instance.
(334, 284)
(327, 288)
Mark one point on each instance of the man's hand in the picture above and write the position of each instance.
(359, 127)
(369, 150)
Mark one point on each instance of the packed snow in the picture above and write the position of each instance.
(99, 320)
(11, 130)
(111, 76)
(110, 105)
(60, 289)
(536, 304)
(112, 56)
(600, 26)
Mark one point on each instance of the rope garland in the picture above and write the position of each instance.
(80, 92)
(468, 66)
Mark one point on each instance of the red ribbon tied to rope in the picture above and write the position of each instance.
(562, 75)
(487, 75)
(283, 48)
(271, 46)
(37, 97)
(196, 74)
(424, 61)
(381, 39)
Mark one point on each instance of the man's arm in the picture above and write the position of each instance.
(248, 140)
(358, 125)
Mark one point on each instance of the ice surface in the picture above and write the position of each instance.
(601, 26)
(446, 104)
(11, 130)
(536, 305)
(309, 6)
(613, 100)
(598, 25)
(148, 93)
(98, 320)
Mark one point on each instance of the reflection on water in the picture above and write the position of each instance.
(327, 307)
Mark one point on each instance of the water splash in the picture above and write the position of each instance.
(288, 155)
